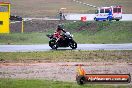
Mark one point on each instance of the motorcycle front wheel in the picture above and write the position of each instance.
(73, 44)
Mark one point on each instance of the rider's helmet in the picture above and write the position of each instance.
(60, 26)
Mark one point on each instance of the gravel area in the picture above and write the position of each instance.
(61, 71)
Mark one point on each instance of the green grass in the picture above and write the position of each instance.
(48, 8)
(23, 38)
(42, 8)
(23, 83)
(67, 56)
(125, 3)
(89, 32)
(102, 32)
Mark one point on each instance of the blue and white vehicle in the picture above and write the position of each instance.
(108, 13)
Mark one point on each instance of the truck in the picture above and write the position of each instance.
(108, 13)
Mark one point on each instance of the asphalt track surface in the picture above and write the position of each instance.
(45, 47)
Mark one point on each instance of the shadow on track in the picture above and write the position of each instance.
(63, 49)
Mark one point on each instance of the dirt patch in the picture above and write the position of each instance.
(49, 25)
(36, 25)
(89, 26)
(61, 71)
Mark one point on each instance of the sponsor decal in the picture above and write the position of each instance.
(83, 78)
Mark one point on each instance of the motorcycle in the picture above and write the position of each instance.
(66, 41)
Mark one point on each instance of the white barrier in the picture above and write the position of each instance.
(90, 17)
(78, 16)
(127, 17)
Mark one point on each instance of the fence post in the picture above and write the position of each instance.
(22, 30)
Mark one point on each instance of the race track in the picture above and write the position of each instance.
(45, 47)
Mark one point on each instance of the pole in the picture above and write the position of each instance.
(22, 30)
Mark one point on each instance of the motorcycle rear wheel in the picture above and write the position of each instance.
(53, 45)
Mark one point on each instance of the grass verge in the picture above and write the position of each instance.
(23, 83)
(68, 56)
(23, 38)
(102, 32)
(89, 32)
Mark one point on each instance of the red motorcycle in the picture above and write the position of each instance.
(66, 41)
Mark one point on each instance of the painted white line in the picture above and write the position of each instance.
(13, 22)
(83, 3)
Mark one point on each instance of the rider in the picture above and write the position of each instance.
(57, 33)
